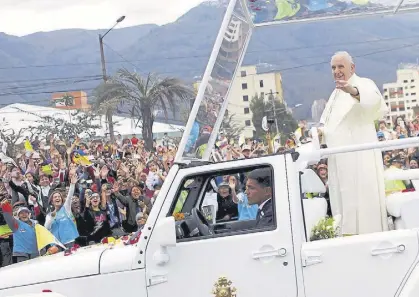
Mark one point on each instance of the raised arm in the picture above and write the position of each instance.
(8, 216)
(67, 203)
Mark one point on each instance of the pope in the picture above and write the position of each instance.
(356, 181)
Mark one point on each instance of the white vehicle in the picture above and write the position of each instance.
(185, 258)
(192, 257)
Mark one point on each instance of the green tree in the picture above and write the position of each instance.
(261, 107)
(144, 96)
(230, 127)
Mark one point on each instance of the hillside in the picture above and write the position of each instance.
(300, 51)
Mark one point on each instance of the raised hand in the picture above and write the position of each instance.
(346, 87)
(232, 184)
(73, 179)
(104, 172)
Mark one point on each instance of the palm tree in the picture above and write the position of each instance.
(146, 95)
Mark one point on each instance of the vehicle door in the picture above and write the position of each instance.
(361, 265)
(254, 261)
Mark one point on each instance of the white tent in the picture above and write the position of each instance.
(13, 117)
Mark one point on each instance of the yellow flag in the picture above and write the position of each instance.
(82, 160)
(79, 157)
(28, 146)
(44, 238)
(47, 169)
(5, 231)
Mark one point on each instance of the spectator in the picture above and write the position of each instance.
(61, 220)
(23, 228)
(227, 209)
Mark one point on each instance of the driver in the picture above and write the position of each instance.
(259, 192)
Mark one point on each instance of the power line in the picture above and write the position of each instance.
(207, 55)
(46, 92)
(46, 84)
(273, 70)
(108, 46)
(52, 78)
(355, 56)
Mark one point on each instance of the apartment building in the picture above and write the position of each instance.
(248, 83)
(402, 96)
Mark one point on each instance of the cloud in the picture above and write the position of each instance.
(28, 16)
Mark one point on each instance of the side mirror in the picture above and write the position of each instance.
(311, 182)
(166, 232)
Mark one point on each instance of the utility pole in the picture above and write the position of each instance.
(272, 99)
(105, 78)
(102, 58)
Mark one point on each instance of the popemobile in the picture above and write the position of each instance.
(183, 251)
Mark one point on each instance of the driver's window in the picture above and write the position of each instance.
(228, 202)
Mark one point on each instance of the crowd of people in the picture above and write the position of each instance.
(83, 192)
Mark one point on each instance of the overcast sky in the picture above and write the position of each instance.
(22, 17)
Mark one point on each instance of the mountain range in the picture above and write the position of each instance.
(34, 66)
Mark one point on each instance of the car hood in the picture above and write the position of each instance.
(83, 262)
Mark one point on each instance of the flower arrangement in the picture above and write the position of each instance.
(326, 228)
(179, 216)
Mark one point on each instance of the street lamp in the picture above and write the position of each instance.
(102, 53)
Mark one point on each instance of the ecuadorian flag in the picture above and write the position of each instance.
(79, 157)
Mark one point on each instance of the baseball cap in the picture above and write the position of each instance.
(22, 209)
(223, 184)
(246, 147)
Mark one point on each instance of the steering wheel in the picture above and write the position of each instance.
(201, 222)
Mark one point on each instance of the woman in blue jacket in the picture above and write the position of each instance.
(61, 221)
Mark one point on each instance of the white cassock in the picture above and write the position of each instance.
(356, 180)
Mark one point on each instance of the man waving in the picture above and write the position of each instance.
(356, 182)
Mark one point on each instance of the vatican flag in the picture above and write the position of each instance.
(44, 238)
